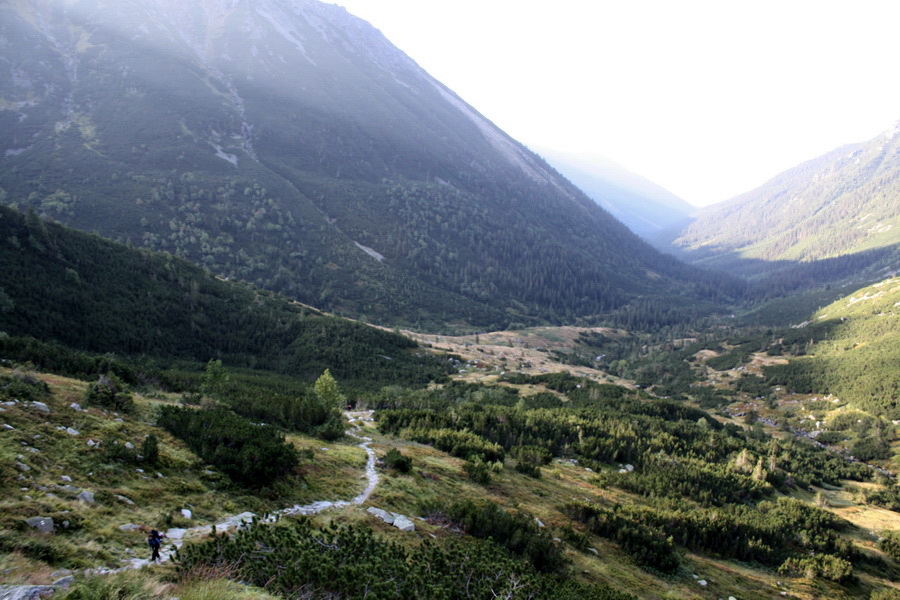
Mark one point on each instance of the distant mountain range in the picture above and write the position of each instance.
(845, 203)
(642, 205)
(289, 144)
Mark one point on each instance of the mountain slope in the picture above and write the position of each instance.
(89, 294)
(637, 202)
(845, 202)
(291, 145)
(856, 352)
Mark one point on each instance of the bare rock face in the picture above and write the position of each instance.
(381, 514)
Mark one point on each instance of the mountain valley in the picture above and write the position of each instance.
(268, 287)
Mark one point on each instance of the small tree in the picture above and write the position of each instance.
(215, 379)
(150, 449)
(327, 390)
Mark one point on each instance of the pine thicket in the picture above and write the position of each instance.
(297, 559)
(250, 454)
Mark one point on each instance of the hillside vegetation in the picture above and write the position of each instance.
(844, 203)
(636, 492)
(88, 294)
(853, 350)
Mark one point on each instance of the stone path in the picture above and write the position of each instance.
(177, 536)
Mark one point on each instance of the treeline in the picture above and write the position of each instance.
(297, 559)
(95, 296)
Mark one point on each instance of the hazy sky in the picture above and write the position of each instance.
(708, 98)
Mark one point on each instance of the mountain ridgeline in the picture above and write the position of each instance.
(833, 216)
(289, 144)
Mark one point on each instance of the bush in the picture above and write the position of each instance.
(332, 429)
(831, 437)
(395, 460)
(50, 549)
(111, 393)
(890, 544)
(113, 450)
(480, 471)
(22, 387)
(530, 459)
(515, 531)
(871, 448)
(825, 566)
(122, 586)
(649, 547)
(292, 561)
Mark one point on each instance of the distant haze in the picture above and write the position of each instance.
(708, 99)
(643, 206)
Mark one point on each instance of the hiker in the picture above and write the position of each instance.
(154, 540)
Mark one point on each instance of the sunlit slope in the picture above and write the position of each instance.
(856, 351)
(291, 145)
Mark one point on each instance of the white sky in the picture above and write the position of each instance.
(708, 98)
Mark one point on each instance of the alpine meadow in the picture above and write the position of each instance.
(272, 291)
